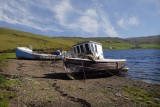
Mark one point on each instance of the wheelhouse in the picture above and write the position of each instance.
(89, 47)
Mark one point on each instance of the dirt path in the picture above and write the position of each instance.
(43, 84)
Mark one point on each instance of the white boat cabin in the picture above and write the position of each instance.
(89, 47)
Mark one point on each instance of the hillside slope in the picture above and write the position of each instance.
(10, 39)
(144, 40)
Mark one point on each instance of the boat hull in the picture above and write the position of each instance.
(76, 66)
(23, 54)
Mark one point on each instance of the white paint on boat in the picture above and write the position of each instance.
(26, 53)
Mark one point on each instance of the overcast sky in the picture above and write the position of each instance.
(83, 18)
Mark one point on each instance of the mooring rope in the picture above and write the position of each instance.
(83, 70)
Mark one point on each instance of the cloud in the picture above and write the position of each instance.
(61, 10)
(84, 21)
(18, 12)
(58, 16)
(88, 21)
(130, 21)
(91, 12)
(107, 26)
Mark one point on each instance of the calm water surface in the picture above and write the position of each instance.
(143, 64)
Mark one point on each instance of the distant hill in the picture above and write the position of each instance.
(10, 39)
(144, 40)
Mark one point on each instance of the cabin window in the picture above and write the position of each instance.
(74, 50)
(92, 47)
(96, 48)
(78, 49)
(82, 50)
(87, 47)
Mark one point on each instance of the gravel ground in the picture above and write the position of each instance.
(44, 84)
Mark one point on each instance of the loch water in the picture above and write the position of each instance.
(143, 64)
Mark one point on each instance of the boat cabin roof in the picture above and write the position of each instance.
(86, 42)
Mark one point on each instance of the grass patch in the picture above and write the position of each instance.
(5, 97)
(155, 46)
(142, 97)
(5, 56)
(6, 90)
(6, 85)
(4, 103)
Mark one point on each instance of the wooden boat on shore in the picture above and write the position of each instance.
(27, 53)
(87, 58)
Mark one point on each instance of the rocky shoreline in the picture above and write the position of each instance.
(45, 84)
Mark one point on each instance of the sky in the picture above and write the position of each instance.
(83, 18)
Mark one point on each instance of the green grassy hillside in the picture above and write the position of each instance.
(10, 39)
(145, 40)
